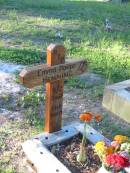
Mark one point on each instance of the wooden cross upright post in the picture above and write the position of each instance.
(53, 73)
(54, 91)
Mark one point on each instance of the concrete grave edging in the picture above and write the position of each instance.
(117, 99)
(37, 153)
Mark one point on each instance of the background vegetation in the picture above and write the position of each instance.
(29, 26)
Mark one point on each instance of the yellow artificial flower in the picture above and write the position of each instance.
(102, 150)
(121, 138)
(99, 145)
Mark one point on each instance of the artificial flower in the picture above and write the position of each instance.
(115, 156)
(125, 154)
(117, 161)
(86, 116)
(115, 144)
(109, 150)
(99, 145)
(100, 149)
(125, 147)
(121, 138)
(98, 118)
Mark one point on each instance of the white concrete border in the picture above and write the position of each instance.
(42, 159)
(64, 134)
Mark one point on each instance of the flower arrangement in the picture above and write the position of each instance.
(86, 117)
(116, 156)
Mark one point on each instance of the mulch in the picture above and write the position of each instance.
(67, 153)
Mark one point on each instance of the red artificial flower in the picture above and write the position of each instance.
(117, 161)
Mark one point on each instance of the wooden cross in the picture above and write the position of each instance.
(53, 73)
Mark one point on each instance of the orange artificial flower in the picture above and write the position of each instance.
(109, 150)
(86, 116)
(121, 138)
(98, 118)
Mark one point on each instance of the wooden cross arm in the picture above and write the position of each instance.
(34, 76)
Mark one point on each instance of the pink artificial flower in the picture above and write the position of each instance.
(115, 144)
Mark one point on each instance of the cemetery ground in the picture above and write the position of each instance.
(26, 27)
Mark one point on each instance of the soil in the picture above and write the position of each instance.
(67, 153)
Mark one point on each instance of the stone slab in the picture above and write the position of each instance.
(117, 99)
(9, 67)
(64, 134)
(41, 159)
(91, 134)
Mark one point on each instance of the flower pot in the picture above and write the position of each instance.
(103, 170)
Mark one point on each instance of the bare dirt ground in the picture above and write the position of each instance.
(14, 128)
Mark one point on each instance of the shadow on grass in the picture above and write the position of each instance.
(91, 15)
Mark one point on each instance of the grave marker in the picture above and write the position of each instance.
(53, 73)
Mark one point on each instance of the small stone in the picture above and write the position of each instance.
(68, 148)
(59, 35)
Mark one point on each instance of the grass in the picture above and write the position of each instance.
(20, 55)
(27, 26)
(12, 135)
(31, 102)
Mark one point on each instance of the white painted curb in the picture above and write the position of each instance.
(43, 160)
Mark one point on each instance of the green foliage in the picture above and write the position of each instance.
(9, 170)
(31, 26)
(21, 56)
(32, 98)
(3, 1)
(114, 66)
(32, 102)
(76, 83)
(51, 4)
(22, 4)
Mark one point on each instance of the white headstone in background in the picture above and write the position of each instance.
(117, 99)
